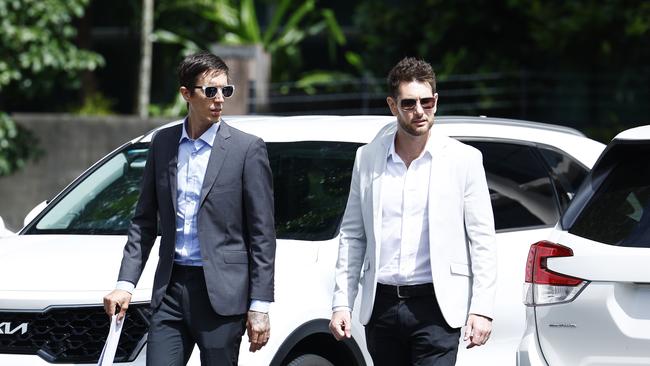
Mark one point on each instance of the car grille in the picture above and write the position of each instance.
(72, 334)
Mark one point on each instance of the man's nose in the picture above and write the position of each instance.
(219, 97)
(418, 107)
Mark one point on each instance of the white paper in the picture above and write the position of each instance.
(108, 353)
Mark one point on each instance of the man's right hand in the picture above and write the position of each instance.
(341, 325)
(117, 298)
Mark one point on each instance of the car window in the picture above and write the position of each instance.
(521, 190)
(566, 172)
(618, 213)
(104, 201)
(311, 181)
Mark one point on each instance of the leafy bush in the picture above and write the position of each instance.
(17, 145)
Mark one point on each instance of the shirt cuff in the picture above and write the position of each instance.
(125, 285)
(260, 306)
(341, 308)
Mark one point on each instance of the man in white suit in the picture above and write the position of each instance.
(418, 235)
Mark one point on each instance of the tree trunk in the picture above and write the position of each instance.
(144, 82)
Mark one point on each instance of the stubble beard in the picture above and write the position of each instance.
(413, 131)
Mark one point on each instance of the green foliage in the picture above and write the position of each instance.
(177, 108)
(17, 146)
(95, 104)
(310, 81)
(37, 55)
(500, 36)
(36, 49)
(235, 22)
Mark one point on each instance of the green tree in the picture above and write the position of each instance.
(37, 51)
(16, 146)
(499, 36)
(37, 55)
(235, 22)
(584, 61)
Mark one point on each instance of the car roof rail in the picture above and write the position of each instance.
(439, 119)
(508, 122)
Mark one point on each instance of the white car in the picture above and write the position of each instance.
(3, 230)
(56, 271)
(588, 286)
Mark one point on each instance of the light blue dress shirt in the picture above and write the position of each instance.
(193, 158)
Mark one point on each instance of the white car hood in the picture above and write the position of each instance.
(55, 263)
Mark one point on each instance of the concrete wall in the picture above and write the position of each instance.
(70, 144)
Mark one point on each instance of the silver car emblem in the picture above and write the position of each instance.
(6, 328)
(562, 325)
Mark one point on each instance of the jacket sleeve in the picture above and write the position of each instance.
(479, 225)
(259, 211)
(143, 230)
(352, 244)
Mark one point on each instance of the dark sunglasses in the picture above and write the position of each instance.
(211, 91)
(410, 104)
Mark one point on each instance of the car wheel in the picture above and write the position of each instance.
(310, 360)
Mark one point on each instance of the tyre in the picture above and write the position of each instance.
(310, 360)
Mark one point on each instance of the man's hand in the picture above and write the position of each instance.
(259, 329)
(117, 299)
(478, 330)
(341, 325)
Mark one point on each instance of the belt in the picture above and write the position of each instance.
(184, 271)
(406, 291)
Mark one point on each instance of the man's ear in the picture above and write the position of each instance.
(392, 104)
(435, 107)
(185, 92)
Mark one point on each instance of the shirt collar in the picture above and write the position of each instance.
(207, 136)
(392, 154)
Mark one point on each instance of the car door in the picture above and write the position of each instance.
(608, 232)
(529, 187)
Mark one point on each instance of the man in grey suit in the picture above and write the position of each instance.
(209, 187)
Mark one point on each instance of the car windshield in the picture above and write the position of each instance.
(311, 180)
(618, 213)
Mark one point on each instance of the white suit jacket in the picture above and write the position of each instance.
(461, 230)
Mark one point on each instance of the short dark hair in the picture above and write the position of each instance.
(410, 69)
(198, 64)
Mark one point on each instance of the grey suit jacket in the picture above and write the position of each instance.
(235, 220)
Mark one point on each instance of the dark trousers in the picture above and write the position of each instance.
(185, 318)
(410, 331)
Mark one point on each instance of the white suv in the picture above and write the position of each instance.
(56, 271)
(588, 287)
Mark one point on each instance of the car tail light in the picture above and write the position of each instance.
(543, 286)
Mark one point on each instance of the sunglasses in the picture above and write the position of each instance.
(410, 104)
(211, 91)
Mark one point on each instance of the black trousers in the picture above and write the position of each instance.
(185, 318)
(410, 331)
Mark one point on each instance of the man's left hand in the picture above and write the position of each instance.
(478, 330)
(259, 329)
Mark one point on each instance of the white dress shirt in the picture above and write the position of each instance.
(404, 254)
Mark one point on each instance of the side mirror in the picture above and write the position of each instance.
(34, 212)
(3, 230)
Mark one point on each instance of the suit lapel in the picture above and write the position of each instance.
(379, 166)
(438, 178)
(217, 158)
(173, 162)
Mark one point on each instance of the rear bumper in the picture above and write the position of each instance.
(529, 353)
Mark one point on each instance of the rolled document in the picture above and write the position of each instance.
(108, 353)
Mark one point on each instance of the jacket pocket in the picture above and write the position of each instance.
(235, 256)
(460, 269)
